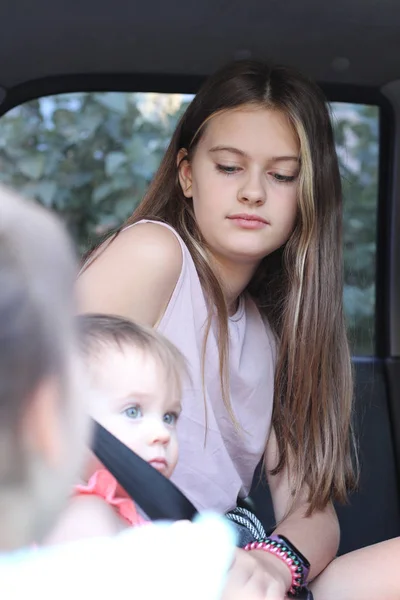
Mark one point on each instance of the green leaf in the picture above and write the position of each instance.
(114, 101)
(32, 166)
(77, 180)
(107, 188)
(358, 303)
(124, 207)
(114, 161)
(102, 191)
(64, 118)
(44, 191)
(89, 123)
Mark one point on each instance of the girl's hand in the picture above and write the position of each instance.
(257, 575)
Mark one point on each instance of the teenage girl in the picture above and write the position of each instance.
(235, 255)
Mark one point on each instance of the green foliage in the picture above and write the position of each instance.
(357, 139)
(91, 156)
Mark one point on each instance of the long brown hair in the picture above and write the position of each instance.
(298, 288)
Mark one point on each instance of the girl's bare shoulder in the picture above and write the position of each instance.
(135, 275)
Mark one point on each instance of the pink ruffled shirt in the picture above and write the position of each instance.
(104, 485)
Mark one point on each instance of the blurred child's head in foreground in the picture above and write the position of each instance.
(43, 423)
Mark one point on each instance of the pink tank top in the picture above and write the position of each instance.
(214, 469)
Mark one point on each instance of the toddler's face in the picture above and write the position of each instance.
(133, 400)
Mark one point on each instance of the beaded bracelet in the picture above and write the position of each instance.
(283, 549)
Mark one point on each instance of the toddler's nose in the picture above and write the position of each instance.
(160, 434)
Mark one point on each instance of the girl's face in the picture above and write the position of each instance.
(243, 180)
(132, 399)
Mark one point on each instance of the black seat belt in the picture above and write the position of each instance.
(157, 496)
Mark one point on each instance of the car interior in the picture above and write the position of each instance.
(352, 49)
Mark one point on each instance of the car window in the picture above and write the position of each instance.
(91, 156)
(357, 142)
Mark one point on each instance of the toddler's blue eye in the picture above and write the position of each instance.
(170, 418)
(133, 412)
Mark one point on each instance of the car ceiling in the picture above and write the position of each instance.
(344, 41)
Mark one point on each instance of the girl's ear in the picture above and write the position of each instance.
(184, 172)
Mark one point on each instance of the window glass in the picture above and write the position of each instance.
(357, 142)
(91, 156)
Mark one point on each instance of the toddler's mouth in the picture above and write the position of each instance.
(160, 464)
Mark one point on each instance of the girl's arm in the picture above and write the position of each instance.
(369, 573)
(317, 536)
(85, 517)
(134, 276)
(263, 576)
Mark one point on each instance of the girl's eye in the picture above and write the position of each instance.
(227, 170)
(133, 412)
(284, 178)
(170, 418)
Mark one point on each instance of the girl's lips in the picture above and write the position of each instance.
(248, 217)
(247, 221)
